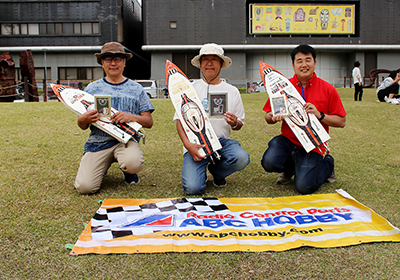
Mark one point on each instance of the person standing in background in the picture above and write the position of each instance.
(358, 90)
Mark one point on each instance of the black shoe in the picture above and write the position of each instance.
(219, 183)
(131, 179)
(284, 179)
(332, 178)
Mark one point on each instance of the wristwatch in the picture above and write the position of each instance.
(322, 116)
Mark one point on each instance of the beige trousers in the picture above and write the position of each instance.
(94, 165)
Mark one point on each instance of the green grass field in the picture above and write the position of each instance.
(41, 212)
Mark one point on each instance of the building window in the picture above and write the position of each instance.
(33, 29)
(77, 28)
(80, 73)
(96, 28)
(39, 74)
(16, 29)
(50, 28)
(72, 74)
(42, 28)
(6, 29)
(98, 73)
(59, 28)
(173, 25)
(68, 28)
(24, 28)
(86, 28)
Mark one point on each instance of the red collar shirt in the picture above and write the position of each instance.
(320, 93)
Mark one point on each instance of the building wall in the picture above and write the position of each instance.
(158, 62)
(107, 14)
(330, 66)
(388, 60)
(56, 60)
(235, 74)
(225, 22)
(198, 21)
(138, 67)
(43, 12)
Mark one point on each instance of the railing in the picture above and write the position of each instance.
(256, 85)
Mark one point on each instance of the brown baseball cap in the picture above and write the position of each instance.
(112, 48)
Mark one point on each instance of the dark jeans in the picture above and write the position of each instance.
(387, 91)
(358, 92)
(310, 169)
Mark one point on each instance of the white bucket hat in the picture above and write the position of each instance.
(212, 49)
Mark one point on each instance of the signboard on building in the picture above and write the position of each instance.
(302, 19)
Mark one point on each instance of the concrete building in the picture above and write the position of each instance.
(363, 30)
(64, 35)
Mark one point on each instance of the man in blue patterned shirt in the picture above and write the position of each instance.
(133, 105)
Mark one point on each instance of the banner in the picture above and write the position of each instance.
(302, 19)
(232, 224)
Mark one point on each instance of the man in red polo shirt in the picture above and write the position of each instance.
(285, 154)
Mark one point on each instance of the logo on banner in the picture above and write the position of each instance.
(152, 220)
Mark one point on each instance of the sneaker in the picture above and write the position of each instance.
(332, 178)
(219, 183)
(395, 101)
(386, 99)
(131, 179)
(284, 179)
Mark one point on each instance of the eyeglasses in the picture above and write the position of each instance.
(117, 59)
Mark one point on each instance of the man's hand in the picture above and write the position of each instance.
(310, 108)
(233, 121)
(193, 150)
(87, 118)
(145, 118)
(230, 118)
(271, 119)
(121, 117)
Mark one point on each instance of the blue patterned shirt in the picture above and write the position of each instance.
(127, 96)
